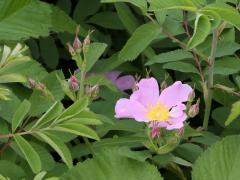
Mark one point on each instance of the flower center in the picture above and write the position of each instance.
(158, 113)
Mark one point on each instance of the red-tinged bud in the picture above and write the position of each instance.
(73, 83)
(77, 45)
(155, 132)
(194, 109)
(87, 40)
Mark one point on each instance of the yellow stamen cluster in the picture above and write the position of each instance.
(158, 113)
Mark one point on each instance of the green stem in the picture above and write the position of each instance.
(208, 100)
(82, 80)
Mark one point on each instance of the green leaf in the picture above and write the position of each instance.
(156, 5)
(20, 114)
(11, 170)
(30, 154)
(139, 41)
(235, 112)
(36, 18)
(220, 161)
(85, 8)
(142, 4)
(175, 55)
(220, 115)
(54, 111)
(226, 12)
(95, 50)
(108, 164)
(227, 66)
(86, 118)
(12, 78)
(74, 109)
(47, 160)
(127, 18)
(188, 151)
(49, 52)
(181, 66)
(201, 29)
(76, 128)
(40, 175)
(106, 19)
(42, 102)
(58, 145)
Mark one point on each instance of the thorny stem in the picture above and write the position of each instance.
(80, 95)
(208, 100)
(196, 57)
(82, 80)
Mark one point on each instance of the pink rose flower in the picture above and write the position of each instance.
(122, 82)
(164, 110)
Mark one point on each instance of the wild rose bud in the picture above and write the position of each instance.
(93, 91)
(87, 40)
(155, 133)
(73, 83)
(191, 96)
(40, 86)
(180, 132)
(194, 109)
(31, 83)
(71, 49)
(163, 85)
(77, 43)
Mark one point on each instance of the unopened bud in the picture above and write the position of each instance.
(155, 132)
(77, 43)
(87, 40)
(191, 96)
(73, 83)
(180, 132)
(31, 83)
(71, 49)
(40, 86)
(163, 85)
(194, 109)
(92, 91)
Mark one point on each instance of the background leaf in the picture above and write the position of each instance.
(109, 165)
(220, 161)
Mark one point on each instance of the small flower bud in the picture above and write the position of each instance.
(191, 96)
(87, 40)
(194, 109)
(92, 92)
(155, 132)
(71, 49)
(77, 43)
(163, 85)
(31, 83)
(73, 83)
(40, 86)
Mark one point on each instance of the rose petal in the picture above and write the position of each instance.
(175, 94)
(125, 82)
(126, 108)
(148, 92)
(177, 111)
(177, 123)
